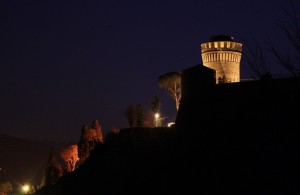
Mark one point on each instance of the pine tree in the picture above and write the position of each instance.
(53, 169)
(134, 115)
(69, 155)
(90, 137)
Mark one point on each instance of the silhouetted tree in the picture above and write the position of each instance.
(69, 154)
(97, 128)
(155, 107)
(53, 169)
(6, 188)
(134, 115)
(130, 115)
(148, 118)
(90, 137)
(83, 145)
(155, 104)
(171, 82)
(255, 57)
(139, 112)
(290, 25)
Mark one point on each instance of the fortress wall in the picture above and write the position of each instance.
(197, 80)
(255, 107)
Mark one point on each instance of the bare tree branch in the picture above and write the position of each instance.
(290, 26)
(254, 56)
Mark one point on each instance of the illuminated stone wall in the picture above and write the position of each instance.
(224, 57)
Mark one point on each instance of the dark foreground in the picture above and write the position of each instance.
(235, 140)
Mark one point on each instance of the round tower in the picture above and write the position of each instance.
(222, 54)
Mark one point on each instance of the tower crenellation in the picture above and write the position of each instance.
(222, 54)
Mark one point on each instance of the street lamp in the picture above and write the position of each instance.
(156, 119)
(25, 188)
(170, 124)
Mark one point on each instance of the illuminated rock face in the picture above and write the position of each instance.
(222, 54)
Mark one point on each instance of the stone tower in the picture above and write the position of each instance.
(222, 54)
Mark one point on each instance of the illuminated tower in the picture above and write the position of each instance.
(222, 54)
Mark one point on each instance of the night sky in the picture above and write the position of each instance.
(65, 63)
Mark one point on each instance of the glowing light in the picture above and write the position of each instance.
(25, 188)
(156, 115)
(170, 124)
(222, 44)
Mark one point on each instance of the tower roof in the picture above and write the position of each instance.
(221, 43)
(220, 38)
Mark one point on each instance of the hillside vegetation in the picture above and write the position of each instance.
(233, 139)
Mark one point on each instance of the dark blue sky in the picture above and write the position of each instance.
(65, 63)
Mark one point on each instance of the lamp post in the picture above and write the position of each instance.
(156, 119)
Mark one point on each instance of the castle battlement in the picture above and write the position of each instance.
(220, 46)
(223, 55)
